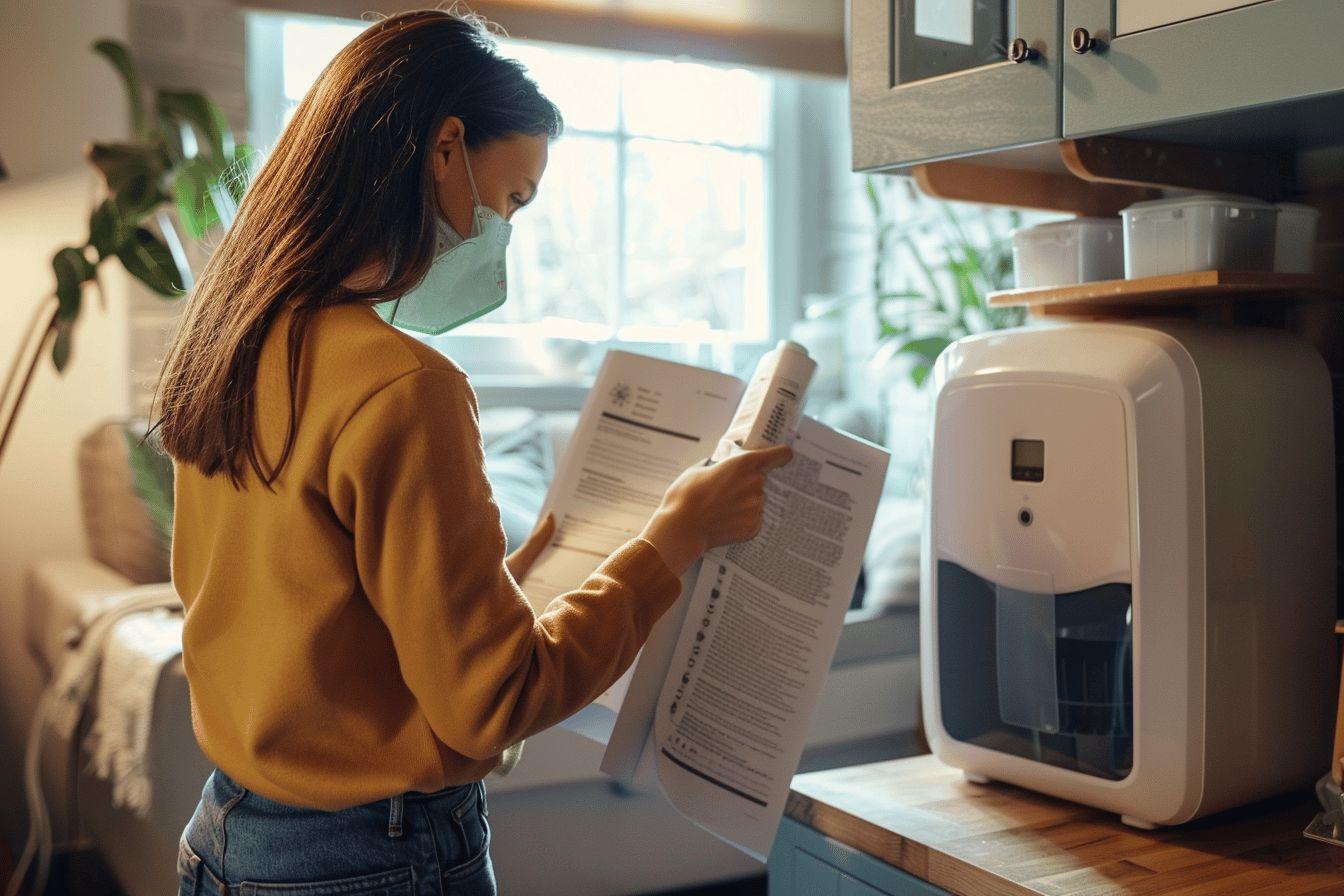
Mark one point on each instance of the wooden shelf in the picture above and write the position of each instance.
(1148, 293)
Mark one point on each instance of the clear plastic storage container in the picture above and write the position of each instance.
(1064, 252)
(1295, 238)
(1198, 233)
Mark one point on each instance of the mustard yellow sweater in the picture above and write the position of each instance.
(354, 633)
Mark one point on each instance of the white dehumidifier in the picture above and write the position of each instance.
(1129, 565)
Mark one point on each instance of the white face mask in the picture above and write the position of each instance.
(467, 278)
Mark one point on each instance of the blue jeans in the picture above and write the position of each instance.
(418, 844)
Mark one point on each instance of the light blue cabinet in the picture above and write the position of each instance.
(806, 863)
(934, 79)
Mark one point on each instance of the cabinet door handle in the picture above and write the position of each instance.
(1082, 41)
(1020, 51)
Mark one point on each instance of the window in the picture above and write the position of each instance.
(654, 222)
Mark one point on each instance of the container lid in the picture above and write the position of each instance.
(1298, 208)
(1067, 224)
(1201, 200)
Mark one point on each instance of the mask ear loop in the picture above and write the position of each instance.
(475, 204)
(471, 182)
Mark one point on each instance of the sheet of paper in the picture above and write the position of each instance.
(645, 421)
(760, 631)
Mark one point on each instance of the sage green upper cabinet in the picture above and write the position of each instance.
(933, 79)
(938, 79)
(1148, 64)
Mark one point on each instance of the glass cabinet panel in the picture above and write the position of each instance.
(932, 79)
(939, 37)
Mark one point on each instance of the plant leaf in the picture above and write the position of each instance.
(239, 174)
(195, 110)
(912, 248)
(72, 261)
(132, 172)
(172, 133)
(173, 240)
(72, 269)
(120, 162)
(919, 373)
(927, 348)
(108, 227)
(60, 347)
(193, 197)
(967, 295)
(152, 479)
(148, 260)
(888, 330)
(224, 203)
(874, 200)
(116, 53)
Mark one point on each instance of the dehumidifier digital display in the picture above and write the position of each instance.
(1029, 460)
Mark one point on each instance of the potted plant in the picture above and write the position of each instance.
(181, 157)
(935, 262)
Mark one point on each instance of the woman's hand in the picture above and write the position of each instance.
(710, 506)
(521, 560)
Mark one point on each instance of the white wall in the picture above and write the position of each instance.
(181, 44)
(57, 95)
(39, 515)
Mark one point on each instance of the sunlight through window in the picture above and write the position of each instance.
(651, 224)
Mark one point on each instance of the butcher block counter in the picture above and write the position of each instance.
(915, 826)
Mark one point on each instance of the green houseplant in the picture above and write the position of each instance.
(935, 262)
(181, 155)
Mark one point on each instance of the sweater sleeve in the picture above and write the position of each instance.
(407, 480)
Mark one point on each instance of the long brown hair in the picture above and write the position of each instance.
(349, 181)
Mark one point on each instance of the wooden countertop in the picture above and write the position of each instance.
(922, 817)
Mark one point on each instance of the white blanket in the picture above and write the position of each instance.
(123, 648)
(138, 649)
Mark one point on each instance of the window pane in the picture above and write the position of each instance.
(583, 83)
(562, 255)
(308, 47)
(694, 245)
(689, 101)
(695, 237)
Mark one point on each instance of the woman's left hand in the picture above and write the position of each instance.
(521, 560)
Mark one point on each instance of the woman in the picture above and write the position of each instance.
(359, 653)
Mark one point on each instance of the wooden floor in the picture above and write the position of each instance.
(922, 817)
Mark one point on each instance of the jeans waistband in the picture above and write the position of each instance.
(394, 806)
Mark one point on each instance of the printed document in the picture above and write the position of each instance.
(715, 708)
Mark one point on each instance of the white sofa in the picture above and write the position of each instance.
(560, 827)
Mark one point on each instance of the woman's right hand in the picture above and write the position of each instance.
(708, 506)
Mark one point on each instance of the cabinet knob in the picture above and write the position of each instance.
(1020, 51)
(1082, 41)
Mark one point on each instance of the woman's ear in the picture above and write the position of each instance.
(447, 142)
(451, 189)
